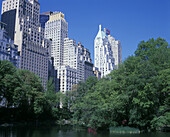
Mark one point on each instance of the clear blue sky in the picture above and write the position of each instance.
(129, 21)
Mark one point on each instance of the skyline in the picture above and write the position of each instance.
(129, 21)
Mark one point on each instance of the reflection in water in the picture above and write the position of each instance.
(63, 131)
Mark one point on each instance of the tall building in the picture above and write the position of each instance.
(78, 57)
(73, 57)
(104, 59)
(77, 65)
(8, 50)
(72, 61)
(86, 62)
(67, 78)
(56, 28)
(116, 49)
(22, 19)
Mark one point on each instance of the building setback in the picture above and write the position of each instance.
(22, 19)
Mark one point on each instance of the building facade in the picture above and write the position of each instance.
(96, 73)
(72, 61)
(56, 28)
(77, 62)
(53, 73)
(116, 49)
(67, 78)
(88, 70)
(8, 50)
(22, 19)
(85, 59)
(104, 59)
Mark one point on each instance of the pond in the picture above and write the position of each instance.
(63, 131)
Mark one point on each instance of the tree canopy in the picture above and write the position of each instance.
(135, 95)
(24, 97)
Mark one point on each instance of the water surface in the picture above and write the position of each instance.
(63, 131)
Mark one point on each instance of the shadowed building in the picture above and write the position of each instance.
(8, 50)
(22, 19)
(44, 17)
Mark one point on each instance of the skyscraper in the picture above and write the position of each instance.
(104, 59)
(72, 61)
(56, 28)
(22, 19)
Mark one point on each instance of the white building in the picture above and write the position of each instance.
(67, 77)
(22, 19)
(116, 49)
(69, 58)
(56, 28)
(78, 57)
(104, 59)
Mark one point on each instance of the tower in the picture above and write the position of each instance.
(104, 60)
(56, 28)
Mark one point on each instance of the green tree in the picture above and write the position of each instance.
(8, 81)
(26, 94)
(83, 88)
(50, 93)
(137, 94)
(148, 97)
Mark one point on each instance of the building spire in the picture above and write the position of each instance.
(100, 27)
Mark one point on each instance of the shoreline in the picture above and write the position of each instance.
(67, 123)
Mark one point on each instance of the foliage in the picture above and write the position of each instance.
(7, 71)
(25, 97)
(135, 95)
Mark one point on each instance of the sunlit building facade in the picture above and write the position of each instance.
(104, 59)
(71, 60)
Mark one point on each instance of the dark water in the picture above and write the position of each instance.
(65, 132)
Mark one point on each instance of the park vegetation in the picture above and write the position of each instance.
(137, 94)
(23, 97)
(134, 95)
